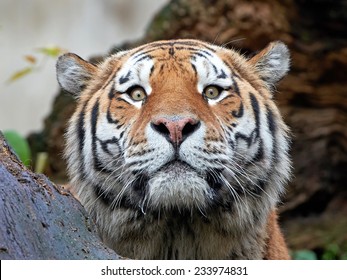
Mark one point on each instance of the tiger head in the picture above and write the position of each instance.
(177, 125)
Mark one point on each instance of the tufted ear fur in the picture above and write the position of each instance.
(272, 63)
(73, 73)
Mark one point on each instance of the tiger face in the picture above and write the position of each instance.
(178, 126)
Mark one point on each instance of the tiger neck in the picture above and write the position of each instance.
(185, 236)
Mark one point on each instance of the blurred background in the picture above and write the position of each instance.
(85, 27)
(312, 98)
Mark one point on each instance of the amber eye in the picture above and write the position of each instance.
(212, 92)
(137, 93)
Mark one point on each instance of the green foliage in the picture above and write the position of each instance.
(334, 252)
(41, 162)
(21, 73)
(51, 51)
(330, 252)
(304, 255)
(20, 146)
(35, 63)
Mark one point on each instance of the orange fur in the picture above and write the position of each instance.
(276, 248)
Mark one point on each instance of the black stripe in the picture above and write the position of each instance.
(187, 45)
(111, 93)
(109, 198)
(123, 100)
(138, 162)
(145, 57)
(109, 117)
(120, 125)
(256, 110)
(235, 86)
(227, 97)
(194, 69)
(178, 44)
(273, 128)
(260, 152)
(93, 123)
(121, 135)
(231, 144)
(270, 121)
(106, 197)
(239, 113)
(80, 130)
(104, 144)
(232, 70)
(222, 75)
(196, 49)
(259, 188)
(125, 78)
(201, 55)
(81, 139)
(196, 44)
(151, 71)
(139, 185)
(161, 70)
(136, 55)
(248, 139)
(215, 69)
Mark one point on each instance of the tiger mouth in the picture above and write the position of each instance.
(141, 182)
(177, 168)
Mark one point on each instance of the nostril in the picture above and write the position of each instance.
(174, 129)
(161, 128)
(189, 128)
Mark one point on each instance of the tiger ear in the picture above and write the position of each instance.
(272, 63)
(73, 73)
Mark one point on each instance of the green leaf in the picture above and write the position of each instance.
(20, 145)
(41, 162)
(304, 255)
(51, 51)
(331, 252)
(21, 73)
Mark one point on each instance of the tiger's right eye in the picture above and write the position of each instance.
(137, 93)
(212, 92)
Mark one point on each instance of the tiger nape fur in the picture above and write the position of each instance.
(178, 151)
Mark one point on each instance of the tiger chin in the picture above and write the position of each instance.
(178, 151)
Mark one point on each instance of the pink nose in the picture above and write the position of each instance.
(175, 130)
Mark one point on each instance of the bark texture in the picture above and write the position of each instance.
(40, 220)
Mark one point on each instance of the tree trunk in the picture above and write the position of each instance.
(39, 220)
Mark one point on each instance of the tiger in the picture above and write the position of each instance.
(177, 149)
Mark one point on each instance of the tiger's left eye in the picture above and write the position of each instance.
(212, 92)
(137, 94)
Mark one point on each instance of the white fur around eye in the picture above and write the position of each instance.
(127, 98)
(206, 70)
(136, 74)
(223, 94)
